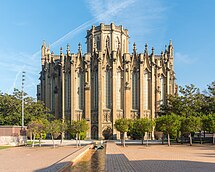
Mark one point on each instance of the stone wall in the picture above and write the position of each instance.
(13, 140)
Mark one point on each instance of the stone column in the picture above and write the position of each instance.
(127, 85)
(142, 85)
(102, 41)
(114, 110)
(72, 80)
(112, 36)
(153, 91)
(100, 99)
(87, 99)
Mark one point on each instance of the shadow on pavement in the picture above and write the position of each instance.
(55, 167)
(119, 162)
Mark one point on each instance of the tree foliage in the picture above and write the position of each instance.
(122, 125)
(168, 124)
(142, 126)
(38, 127)
(77, 127)
(11, 109)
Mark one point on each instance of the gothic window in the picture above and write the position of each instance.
(146, 89)
(108, 42)
(52, 94)
(95, 89)
(135, 90)
(89, 45)
(107, 88)
(119, 90)
(162, 90)
(98, 43)
(79, 90)
(117, 43)
(68, 92)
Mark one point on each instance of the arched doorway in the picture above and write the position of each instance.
(94, 132)
(107, 133)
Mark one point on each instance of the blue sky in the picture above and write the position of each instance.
(25, 24)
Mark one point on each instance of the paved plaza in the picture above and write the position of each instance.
(160, 158)
(40, 159)
(154, 158)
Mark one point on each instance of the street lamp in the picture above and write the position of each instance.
(23, 82)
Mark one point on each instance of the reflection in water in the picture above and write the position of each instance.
(92, 161)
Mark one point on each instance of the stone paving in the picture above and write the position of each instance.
(156, 158)
(39, 159)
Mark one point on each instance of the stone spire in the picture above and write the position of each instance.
(146, 49)
(68, 50)
(153, 50)
(79, 47)
(134, 48)
(43, 52)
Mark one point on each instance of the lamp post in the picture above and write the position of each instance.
(23, 82)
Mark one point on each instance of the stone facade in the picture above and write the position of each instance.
(107, 82)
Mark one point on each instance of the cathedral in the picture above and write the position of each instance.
(107, 82)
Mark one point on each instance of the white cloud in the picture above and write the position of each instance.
(184, 58)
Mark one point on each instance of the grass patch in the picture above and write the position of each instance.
(4, 147)
(31, 142)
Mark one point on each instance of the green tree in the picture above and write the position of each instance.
(208, 124)
(190, 124)
(11, 109)
(54, 128)
(122, 125)
(142, 126)
(190, 102)
(77, 127)
(38, 127)
(168, 124)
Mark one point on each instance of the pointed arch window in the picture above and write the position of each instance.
(108, 42)
(79, 90)
(107, 88)
(52, 94)
(95, 91)
(135, 89)
(98, 43)
(119, 91)
(146, 89)
(162, 90)
(68, 91)
(117, 43)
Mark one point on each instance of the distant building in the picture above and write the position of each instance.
(107, 82)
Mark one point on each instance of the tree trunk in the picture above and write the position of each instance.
(31, 136)
(147, 139)
(76, 139)
(62, 136)
(177, 137)
(190, 139)
(53, 141)
(182, 141)
(213, 138)
(162, 138)
(79, 139)
(33, 140)
(200, 137)
(142, 138)
(123, 139)
(168, 139)
(40, 140)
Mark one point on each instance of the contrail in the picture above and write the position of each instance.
(110, 12)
